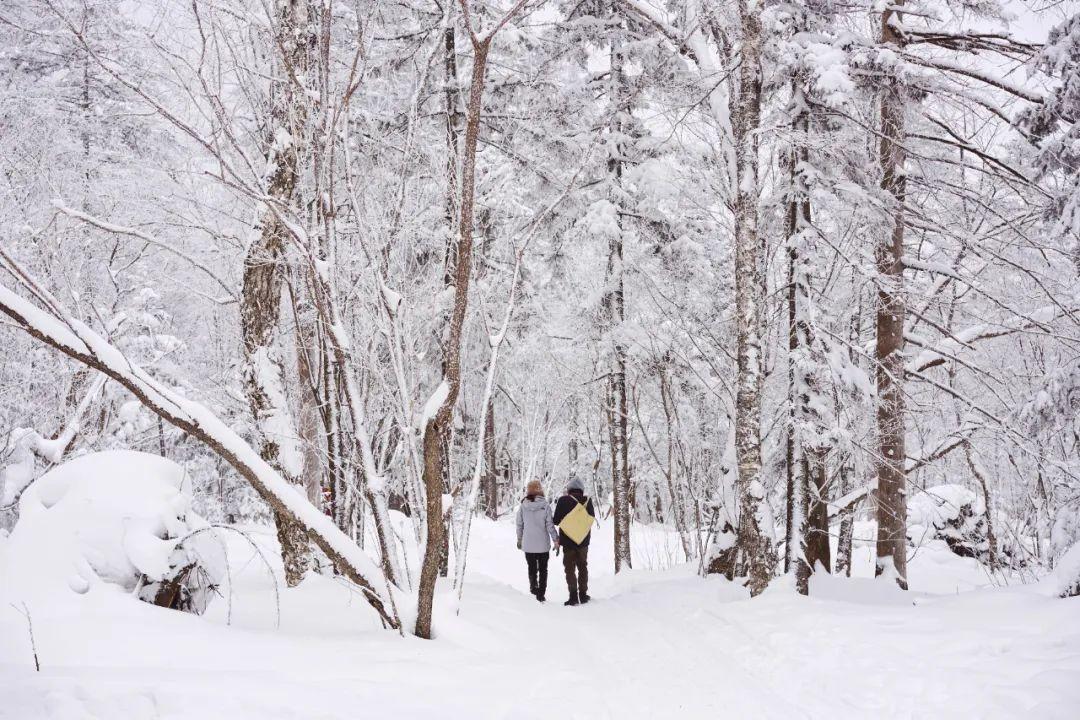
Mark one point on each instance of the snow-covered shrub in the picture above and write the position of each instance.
(118, 519)
(951, 513)
(1065, 532)
(1064, 580)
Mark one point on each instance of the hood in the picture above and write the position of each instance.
(537, 504)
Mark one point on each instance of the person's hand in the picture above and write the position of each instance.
(519, 545)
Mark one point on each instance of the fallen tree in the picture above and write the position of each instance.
(47, 321)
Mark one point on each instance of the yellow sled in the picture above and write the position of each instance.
(577, 523)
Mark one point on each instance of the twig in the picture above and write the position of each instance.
(25, 612)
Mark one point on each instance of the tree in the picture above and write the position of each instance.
(438, 411)
(755, 520)
(264, 275)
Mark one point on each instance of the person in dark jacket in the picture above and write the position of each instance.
(575, 554)
(535, 534)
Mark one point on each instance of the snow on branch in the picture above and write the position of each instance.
(148, 239)
(986, 78)
(950, 346)
(62, 332)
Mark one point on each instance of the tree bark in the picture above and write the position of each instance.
(260, 297)
(889, 348)
(614, 309)
(311, 477)
(847, 521)
(491, 476)
(818, 551)
(991, 536)
(798, 217)
(755, 524)
(438, 426)
(452, 108)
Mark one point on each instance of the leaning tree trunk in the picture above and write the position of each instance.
(260, 297)
(755, 522)
(194, 419)
(889, 349)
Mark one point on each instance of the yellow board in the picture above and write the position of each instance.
(577, 523)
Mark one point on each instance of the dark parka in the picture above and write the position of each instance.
(562, 508)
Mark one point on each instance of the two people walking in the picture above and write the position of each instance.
(568, 528)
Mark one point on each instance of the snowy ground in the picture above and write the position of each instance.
(655, 643)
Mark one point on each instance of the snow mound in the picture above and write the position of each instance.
(1064, 580)
(117, 519)
(952, 513)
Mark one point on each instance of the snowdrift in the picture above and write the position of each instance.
(110, 522)
(657, 641)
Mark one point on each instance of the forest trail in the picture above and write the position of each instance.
(654, 643)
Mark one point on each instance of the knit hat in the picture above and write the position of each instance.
(575, 484)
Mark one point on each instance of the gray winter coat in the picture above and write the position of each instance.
(535, 530)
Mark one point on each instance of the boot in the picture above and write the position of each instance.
(571, 601)
(584, 598)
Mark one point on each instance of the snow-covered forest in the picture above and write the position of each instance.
(297, 296)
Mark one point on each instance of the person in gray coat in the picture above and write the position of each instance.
(535, 535)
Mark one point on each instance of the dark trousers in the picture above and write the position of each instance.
(537, 572)
(576, 563)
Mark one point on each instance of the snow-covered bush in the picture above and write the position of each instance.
(118, 519)
(951, 513)
(1064, 580)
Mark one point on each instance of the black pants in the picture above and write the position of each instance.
(537, 572)
(576, 564)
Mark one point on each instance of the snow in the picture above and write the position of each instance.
(97, 523)
(76, 337)
(657, 641)
(830, 71)
(431, 407)
(1065, 578)
(276, 421)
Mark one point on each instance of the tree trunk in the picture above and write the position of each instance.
(798, 217)
(615, 311)
(818, 551)
(889, 349)
(260, 298)
(452, 108)
(991, 536)
(678, 506)
(847, 521)
(491, 476)
(438, 426)
(198, 422)
(755, 522)
(311, 477)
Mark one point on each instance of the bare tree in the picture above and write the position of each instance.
(440, 408)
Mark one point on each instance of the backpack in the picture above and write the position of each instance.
(577, 522)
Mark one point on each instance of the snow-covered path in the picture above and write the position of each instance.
(655, 643)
